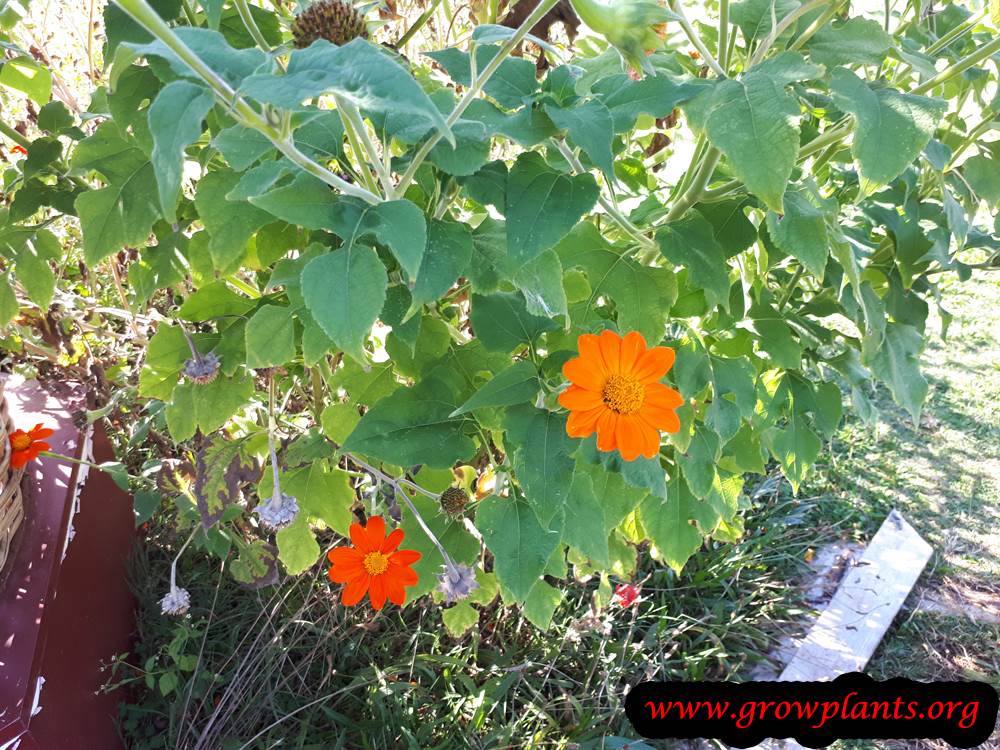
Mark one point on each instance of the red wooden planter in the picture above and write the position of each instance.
(65, 606)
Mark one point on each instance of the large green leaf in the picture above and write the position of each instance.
(895, 363)
(517, 384)
(414, 426)
(795, 447)
(642, 295)
(651, 95)
(449, 250)
(802, 232)
(543, 205)
(502, 322)
(757, 18)
(667, 521)
(541, 454)
(892, 127)
(520, 546)
(230, 224)
(754, 122)
(205, 407)
(121, 213)
(856, 41)
(175, 123)
(513, 83)
(690, 242)
(270, 337)
(359, 71)
(591, 128)
(345, 291)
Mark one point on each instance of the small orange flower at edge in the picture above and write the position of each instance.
(616, 393)
(25, 446)
(374, 565)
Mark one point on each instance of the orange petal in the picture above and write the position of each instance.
(404, 557)
(582, 424)
(650, 437)
(654, 364)
(354, 591)
(359, 538)
(375, 529)
(633, 347)
(395, 591)
(662, 396)
(606, 425)
(40, 433)
(576, 398)
(590, 351)
(392, 542)
(19, 459)
(376, 592)
(611, 347)
(585, 372)
(345, 573)
(405, 576)
(344, 556)
(39, 447)
(629, 437)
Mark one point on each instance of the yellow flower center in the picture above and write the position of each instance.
(376, 563)
(623, 395)
(21, 442)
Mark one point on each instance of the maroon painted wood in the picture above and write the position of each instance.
(61, 617)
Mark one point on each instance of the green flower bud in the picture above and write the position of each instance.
(632, 26)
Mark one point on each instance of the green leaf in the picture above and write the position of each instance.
(667, 521)
(529, 126)
(459, 619)
(520, 546)
(297, 546)
(54, 117)
(502, 322)
(517, 384)
(159, 266)
(796, 448)
(175, 123)
(983, 176)
(27, 75)
(414, 426)
(733, 395)
(32, 252)
(206, 407)
(643, 295)
(230, 224)
(9, 307)
(470, 152)
(165, 357)
(591, 128)
(345, 290)
(892, 128)
(754, 123)
(895, 363)
(856, 41)
(233, 65)
(540, 280)
(358, 71)
(215, 300)
(242, 146)
(541, 604)
(801, 232)
(220, 469)
(338, 420)
(656, 96)
(790, 67)
(449, 250)
(122, 213)
(775, 337)
(321, 493)
(543, 205)
(698, 462)
(270, 337)
(541, 454)
(690, 242)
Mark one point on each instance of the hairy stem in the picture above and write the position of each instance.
(780, 28)
(959, 67)
(696, 40)
(349, 113)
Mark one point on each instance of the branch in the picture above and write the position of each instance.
(692, 35)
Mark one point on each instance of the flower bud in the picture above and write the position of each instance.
(176, 602)
(202, 369)
(334, 20)
(454, 500)
(634, 27)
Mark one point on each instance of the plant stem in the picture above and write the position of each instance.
(353, 122)
(474, 90)
(146, 17)
(617, 216)
(418, 24)
(69, 459)
(244, 287)
(695, 39)
(247, 17)
(815, 26)
(986, 124)
(959, 67)
(791, 288)
(780, 28)
(19, 139)
(363, 168)
(723, 48)
(698, 183)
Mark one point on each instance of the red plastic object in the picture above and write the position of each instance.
(61, 617)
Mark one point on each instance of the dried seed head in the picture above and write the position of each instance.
(177, 602)
(454, 500)
(280, 511)
(334, 20)
(202, 369)
(457, 582)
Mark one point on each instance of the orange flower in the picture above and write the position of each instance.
(616, 392)
(25, 446)
(373, 565)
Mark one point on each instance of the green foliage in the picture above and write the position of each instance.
(395, 256)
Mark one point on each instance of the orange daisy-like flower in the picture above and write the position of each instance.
(374, 565)
(616, 393)
(25, 446)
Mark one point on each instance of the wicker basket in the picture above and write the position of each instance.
(11, 497)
